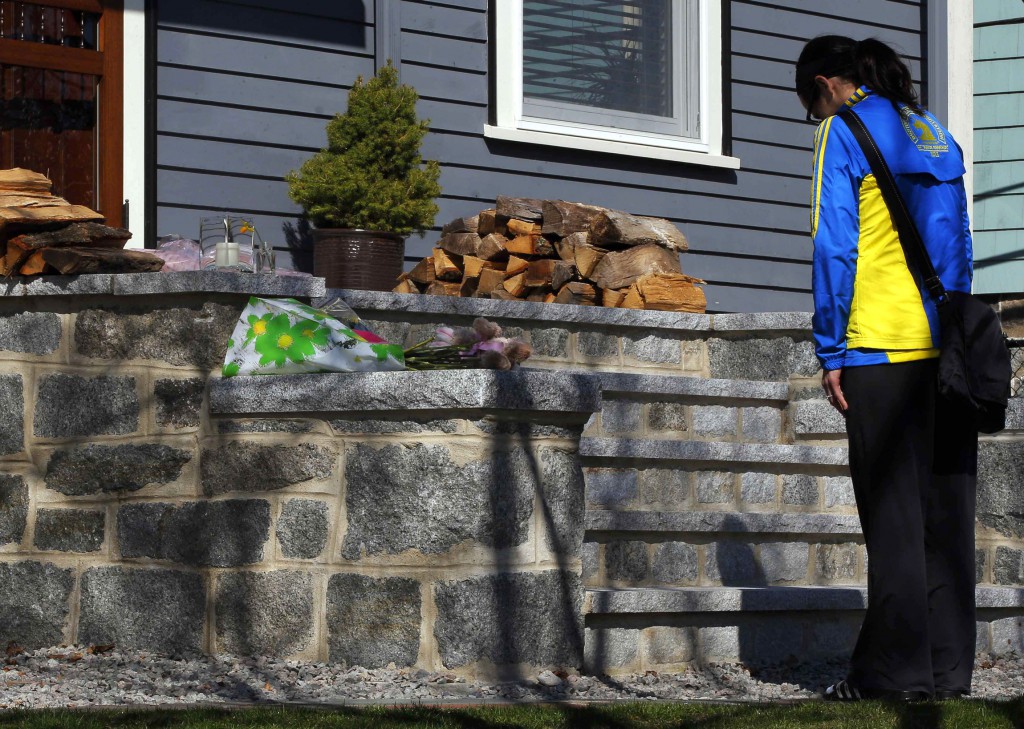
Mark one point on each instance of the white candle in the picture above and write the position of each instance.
(221, 254)
(232, 254)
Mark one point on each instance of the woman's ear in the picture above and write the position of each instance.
(824, 86)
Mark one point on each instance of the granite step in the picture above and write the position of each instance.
(715, 548)
(701, 454)
(634, 630)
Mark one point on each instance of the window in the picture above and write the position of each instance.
(60, 97)
(641, 77)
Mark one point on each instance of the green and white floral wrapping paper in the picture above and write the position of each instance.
(284, 336)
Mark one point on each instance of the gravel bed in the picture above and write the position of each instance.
(71, 676)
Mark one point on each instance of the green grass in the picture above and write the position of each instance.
(868, 715)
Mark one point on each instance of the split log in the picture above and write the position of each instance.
(565, 248)
(632, 299)
(671, 292)
(492, 247)
(622, 229)
(462, 225)
(516, 266)
(550, 298)
(444, 288)
(461, 244)
(587, 258)
(540, 273)
(524, 245)
(20, 180)
(612, 298)
(423, 272)
(551, 272)
(91, 235)
(15, 256)
(522, 227)
(502, 295)
(577, 293)
(538, 293)
(563, 218)
(46, 214)
(72, 260)
(489, 280)
(619, 269)
(472, 266)
(445, 269)
(516, 285)
(562, 274)
(486, 223)
(469, 286)
(406, 287)
(522, 208)
(530, 244)
(35, 264)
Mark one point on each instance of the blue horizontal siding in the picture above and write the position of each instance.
(242, 102)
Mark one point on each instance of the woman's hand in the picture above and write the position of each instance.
(833, 390)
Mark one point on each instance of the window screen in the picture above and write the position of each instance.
(609, 55)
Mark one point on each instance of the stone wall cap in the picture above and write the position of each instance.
(757, 599)
(1015, 413)
(366, 301)
(174, 282)
(778, 320)
(640, 449)
(521, 389)
(626, 383)
(722, 522)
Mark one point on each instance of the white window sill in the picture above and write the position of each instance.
(630, 149)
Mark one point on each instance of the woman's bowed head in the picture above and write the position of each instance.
(832, 67)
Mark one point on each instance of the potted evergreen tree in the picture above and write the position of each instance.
(369, 188)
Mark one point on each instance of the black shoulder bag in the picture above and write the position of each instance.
(974, 361)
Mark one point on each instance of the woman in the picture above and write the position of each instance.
(912, 460)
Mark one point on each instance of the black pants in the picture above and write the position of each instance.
(914, 469)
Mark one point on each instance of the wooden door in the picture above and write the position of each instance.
(61, 68)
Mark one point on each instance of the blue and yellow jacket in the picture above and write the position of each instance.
(868, 307)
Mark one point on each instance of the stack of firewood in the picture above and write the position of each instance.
(41, 233)
(560, 252)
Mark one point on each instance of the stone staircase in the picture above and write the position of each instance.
(721, 525)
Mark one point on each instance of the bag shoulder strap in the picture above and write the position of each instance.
(910, 238)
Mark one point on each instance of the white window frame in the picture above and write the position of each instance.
(512, 125)
(134, 158)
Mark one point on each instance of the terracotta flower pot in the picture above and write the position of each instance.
(350, 258)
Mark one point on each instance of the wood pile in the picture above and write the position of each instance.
(41, 233)
(559, 252)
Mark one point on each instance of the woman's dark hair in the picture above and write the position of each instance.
(869, 62)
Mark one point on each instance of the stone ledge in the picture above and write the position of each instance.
(656, 385)
(175, 282)
(643, 600)
(531, 311)
(367, 301)
(722, 522)
(353, 392)
(1015, 413)
(735, 454)
(782, 321)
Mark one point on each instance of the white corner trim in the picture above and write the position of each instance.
(134, 151)
(630, 149)
(960, 81)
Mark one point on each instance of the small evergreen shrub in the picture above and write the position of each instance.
(371, 174)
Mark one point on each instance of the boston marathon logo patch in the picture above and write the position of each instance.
(924, 132)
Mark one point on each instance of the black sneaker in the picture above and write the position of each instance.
(951, 694)
(845, 691)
